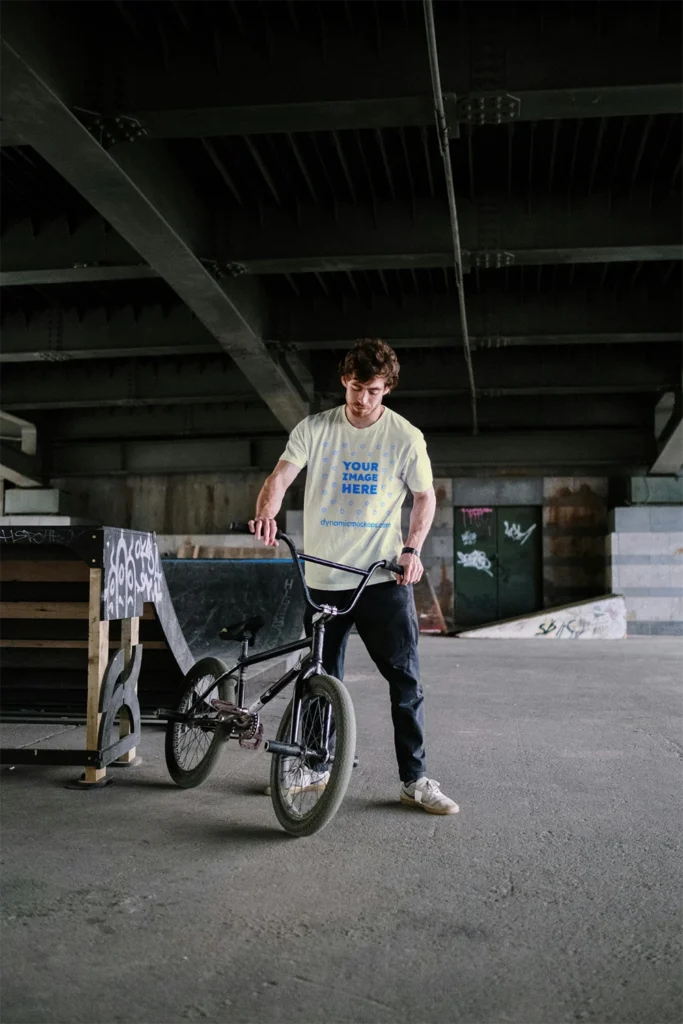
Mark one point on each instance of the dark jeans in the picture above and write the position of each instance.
(386, 621)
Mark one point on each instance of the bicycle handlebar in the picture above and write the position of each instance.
(298, 558)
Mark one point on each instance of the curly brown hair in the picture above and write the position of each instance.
(371, 357)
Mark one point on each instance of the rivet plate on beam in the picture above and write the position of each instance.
(489, 108)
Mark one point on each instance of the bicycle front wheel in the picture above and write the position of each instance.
(307, 793)
(192, 748)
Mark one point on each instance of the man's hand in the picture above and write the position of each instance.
(412, 570)
(269, 502)
(265, 530)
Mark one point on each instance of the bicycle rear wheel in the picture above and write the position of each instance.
(192, 749)
(307, 793)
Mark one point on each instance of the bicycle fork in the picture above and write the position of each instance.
(293, 748)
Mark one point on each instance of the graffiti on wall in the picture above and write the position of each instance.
(469, 538)
(475, 515)
(603, 618)
(514, 531)
(475, 560)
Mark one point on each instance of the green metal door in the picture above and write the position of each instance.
(498, 563)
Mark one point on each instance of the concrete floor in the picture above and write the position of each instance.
(553, 896)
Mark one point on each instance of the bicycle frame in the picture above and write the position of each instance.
(312, 665)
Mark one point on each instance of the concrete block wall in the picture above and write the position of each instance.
(644, 554)
(200, 504)
(179, 503)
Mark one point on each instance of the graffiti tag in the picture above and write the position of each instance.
(514, 532)
(469, 538)
(475, 560)
(572, 627)
(475, 515)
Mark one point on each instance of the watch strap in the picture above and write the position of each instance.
(410, 551)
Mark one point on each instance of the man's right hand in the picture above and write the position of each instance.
(265, 530)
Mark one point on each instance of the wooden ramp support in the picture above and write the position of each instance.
(120, 572)
(98, 656)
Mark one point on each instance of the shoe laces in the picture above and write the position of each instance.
(432, 786)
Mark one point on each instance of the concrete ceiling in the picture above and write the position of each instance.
(203, 204)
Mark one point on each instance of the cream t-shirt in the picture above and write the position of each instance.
(356, 484)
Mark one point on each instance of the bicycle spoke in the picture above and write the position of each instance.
(191, 742)
(297, 775)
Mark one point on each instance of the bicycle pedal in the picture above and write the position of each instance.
(252, 742)
(225, 706)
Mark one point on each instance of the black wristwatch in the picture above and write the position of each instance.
(410, 551)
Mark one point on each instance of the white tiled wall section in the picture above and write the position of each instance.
(647, 568)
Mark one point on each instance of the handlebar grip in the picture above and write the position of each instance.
(239, 528)
(394, 567)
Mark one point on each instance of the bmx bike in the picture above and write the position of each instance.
(314, 749)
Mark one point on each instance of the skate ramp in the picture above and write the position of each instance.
(599, 618)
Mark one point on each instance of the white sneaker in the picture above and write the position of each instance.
(425, 793)
(307, 782)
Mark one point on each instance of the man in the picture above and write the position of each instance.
(362, 458)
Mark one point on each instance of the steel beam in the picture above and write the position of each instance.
(614, 101)
(561, 452)
(496, 319)
(506, 256)
(143, 195)
(307, 116)
(642, 369)
(186, 455)
(122, 383)
(528, 105)
(669, 460)
(59, 252)
(393, 237)
(485, 341)
(605, 451)
(76, 275)
(19, 431)
(254, 419)
(254, 90)
(522, 371)
(18, 467)
(404, 111)
(354, 238)
(237, 419)
(58, 335)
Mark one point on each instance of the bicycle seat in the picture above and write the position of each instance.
(245, 629)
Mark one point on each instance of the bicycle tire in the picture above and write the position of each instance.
(183, 777)
(340, 772)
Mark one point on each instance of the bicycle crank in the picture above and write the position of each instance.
(247, 726)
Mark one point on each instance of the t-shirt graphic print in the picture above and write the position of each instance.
(356, 483)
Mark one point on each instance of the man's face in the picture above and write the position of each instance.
(364, 398)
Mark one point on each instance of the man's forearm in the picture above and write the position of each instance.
(421, 518)
(271, 495)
